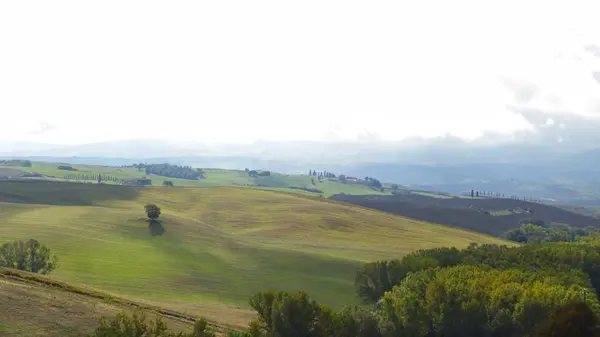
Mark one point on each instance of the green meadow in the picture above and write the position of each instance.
(213, 177)
(215, 246)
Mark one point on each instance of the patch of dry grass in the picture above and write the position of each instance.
(34, 305)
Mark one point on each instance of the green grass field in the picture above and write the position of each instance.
(220, 245)
(213, 178)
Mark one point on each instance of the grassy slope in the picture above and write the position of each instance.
(36, 305)
(214, 177)
(220, 246)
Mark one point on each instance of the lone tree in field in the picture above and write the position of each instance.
(27, 255)
(152, 211)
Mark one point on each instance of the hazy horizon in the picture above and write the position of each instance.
(76, 72)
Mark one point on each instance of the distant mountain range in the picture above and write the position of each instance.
(434, 152)
(566, 173)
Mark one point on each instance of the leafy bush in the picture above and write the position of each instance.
(539, 232)
(464, 300)
(572, 319)
(377, 278)
(27, 255)
(255, 173)
(134, 326)
(288, 314)
(372, 182)
(123, 325)
(201, 329)
(574, 263)
(173, 171)
(476, 301)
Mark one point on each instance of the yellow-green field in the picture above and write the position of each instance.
(213, 178)
(219, 246)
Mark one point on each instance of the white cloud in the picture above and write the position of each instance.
(240, 71)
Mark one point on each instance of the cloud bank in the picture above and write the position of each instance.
(240, 72)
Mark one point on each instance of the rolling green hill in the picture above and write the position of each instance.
(218, 246)
(213, 177)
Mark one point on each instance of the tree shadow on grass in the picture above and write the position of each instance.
(155, 228)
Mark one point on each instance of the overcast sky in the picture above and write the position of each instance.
(237, 71)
